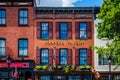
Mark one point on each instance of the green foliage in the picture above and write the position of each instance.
(67, 69)
(38, 67)
(59, 67)
(88, 67)
(72, 68)
(110, 28)
(82, 67)
(44, 67)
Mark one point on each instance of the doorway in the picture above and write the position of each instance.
(28, 75)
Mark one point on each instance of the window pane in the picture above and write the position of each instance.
(83, 26)
(2, 43)
(21, 21)
(63, 31)
(2, 51)
(44, 26)
(23, 47)
(63, 57)
(21, 13)
(44, 56)
(25, 13)
(3, 21)
(83, 57)
(83, 34)
(25, 21)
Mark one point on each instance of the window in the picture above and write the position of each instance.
(44, 56)
(2, 17)
(23, 17)
(44, 31)
(2, 47)
(104, 77)
(44, 78)
(87, 77)
(63, 56)
(103, 60)
(83, 57)
(83, 30)
(117, 77)
(63, 31)
(74, 78)
(23, 47)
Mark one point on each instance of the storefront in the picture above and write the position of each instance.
(21, 69)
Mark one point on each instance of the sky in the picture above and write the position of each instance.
(69, 3)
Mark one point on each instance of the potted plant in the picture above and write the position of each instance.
(88, 67)
(44, 67)
(67, 69)
(82, 67)
(39, 67)
(59, 67)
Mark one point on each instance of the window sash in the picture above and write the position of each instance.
(82, 30)
(44, 30)
(23, 17)
(44, 57)
(63, 57)
(83, 56)
(23, 47)
(63, 31)
(2, 47)
(2, 17)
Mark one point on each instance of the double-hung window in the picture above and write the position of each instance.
(63, 30)
(2, 17)
(83, 57)
(44, 31)
(63, 56)
(23, 17)
(2, 47)
(44, 57)
(83, 30)
(23, 47)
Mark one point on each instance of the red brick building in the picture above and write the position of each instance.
(64, 38)
(16, 38)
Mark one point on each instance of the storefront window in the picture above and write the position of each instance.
(44, 78)
(74, 78)
(117, 77)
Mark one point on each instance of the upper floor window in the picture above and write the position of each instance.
(83, 30)
(2, 47)
(44, 56)
(2, 17)
(23, 47)
(23, 17)
(45, 30)
(64, 30)
(83, 56)
(64, 56)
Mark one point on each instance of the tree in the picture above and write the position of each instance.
(110, 28)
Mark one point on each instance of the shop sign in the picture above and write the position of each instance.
(14, 65)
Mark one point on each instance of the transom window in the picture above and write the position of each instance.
(44, 31)
(44, 57)
(2, 47)
(63, 56)
(83, 30)
(83, 56)
(63, 30)
(2, 17)
(23, 47)
(23, 17)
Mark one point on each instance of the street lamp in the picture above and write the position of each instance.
(8, 60)
(109, 61)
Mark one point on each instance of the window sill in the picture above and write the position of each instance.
(23, 25)
(2, 25)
